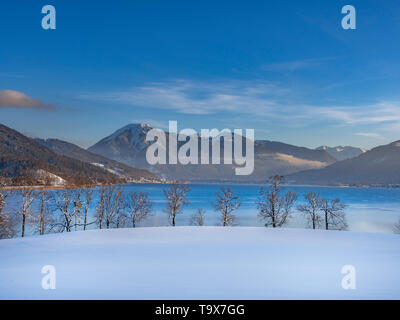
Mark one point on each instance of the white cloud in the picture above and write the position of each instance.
(16, 99)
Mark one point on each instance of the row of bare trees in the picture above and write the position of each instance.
(225, 204)
(275, 207)
(67, 210)
(5, 230)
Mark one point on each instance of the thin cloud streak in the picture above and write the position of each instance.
(199, 98)
(259, 99)
(367, 114)
(368, 134)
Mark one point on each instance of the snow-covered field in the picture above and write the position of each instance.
(201, 263)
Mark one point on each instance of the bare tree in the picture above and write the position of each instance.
(176, 199)
(121, 219)
(197, 219)
(3, 196)
(5, 225)
(273, 207)
(226, 203)
(139, 207)
(69, 203)
(63, 201)
(311, 209)
(101, 207)
(334, 216)
(27, 197)
(77, 205)
(88, 201)
(113, 205)
(44, 221)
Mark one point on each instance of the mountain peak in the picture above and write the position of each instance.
(142, 125)
(131, 126)
(342, 152)
(134, 129)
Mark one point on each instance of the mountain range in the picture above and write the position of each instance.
(121, 157)
(379, 166)
(28, 161)
(323, 165)
(128, 145)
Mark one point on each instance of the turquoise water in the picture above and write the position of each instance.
(370, 209)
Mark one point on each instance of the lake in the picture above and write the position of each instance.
(370, 209)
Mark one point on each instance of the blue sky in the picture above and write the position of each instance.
(285, 68)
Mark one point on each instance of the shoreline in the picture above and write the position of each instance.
(39, 187)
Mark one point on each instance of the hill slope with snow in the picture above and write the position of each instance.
(73, 151)
(201, 263)
(31, 163)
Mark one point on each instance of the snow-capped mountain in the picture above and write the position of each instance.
(342, 153)
(128, 145)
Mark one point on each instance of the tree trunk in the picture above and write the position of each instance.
(42, 218)
(326, 220)
(67, 223)
(85, 221)
(23, 224)
(273, 207)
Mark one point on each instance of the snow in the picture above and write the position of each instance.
(136, 131)
(55, 180)
(201, 263)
